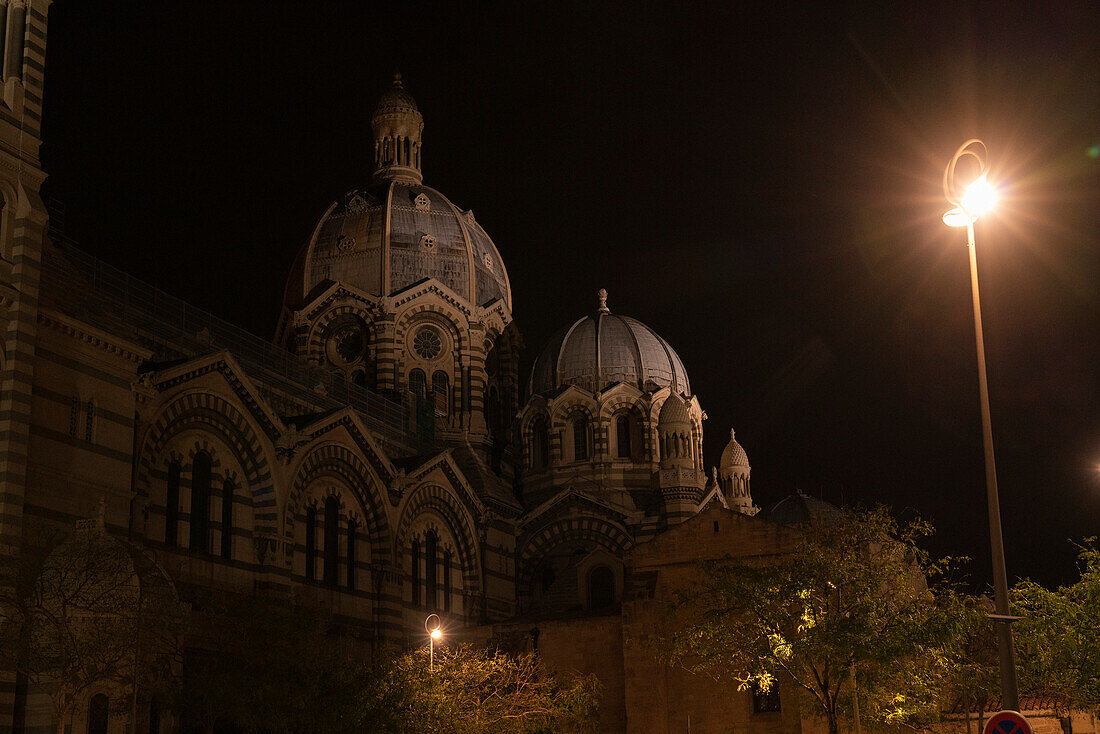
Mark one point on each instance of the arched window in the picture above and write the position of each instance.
(154, 717)
(89, 421)
(601, 587)
(441, 387)
(766, 702)
(359, 377)
(227, 520)
(492, 410)
(172, 505)
(540, 444)
(200, 501)
(417, 384)
(74, 416)
(580, 438)
(311, 541)
(446, 581)
(97, 714)
(547, 578)
(622, 436)
(415, 572)
(352, 539)
(332, 540)
(431, 558)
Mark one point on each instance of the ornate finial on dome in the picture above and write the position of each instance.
(397, 125)
(733, 435)
(602, 296)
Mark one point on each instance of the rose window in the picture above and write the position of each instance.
(347, 342)
(427, 343)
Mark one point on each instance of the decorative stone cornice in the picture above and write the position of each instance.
(90, 335)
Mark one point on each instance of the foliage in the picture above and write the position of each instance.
(849, 603)
(1058, 637)
(475, 690)
(93, 611)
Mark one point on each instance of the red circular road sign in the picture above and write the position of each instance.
(1007, 722)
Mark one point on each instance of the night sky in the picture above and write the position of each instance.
(759, 184)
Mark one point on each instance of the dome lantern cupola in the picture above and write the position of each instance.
(397, 125)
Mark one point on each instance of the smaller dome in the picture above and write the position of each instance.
(801, 509)
(396, 99)
(674, 412)
(733, 455)
(603, 349)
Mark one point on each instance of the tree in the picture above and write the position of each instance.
(93, 611)
(1058, 635)
(848, 608)
(475, 690)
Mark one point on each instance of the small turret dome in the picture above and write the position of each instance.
(600, 350)
(674, 413)
(733, 455)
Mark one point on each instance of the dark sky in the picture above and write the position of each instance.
(760, 183)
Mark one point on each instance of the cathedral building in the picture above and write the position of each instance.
(382, 456)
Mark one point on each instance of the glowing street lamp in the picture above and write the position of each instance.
(971, 202)
(433, 626)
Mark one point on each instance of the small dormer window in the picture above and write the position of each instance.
(427, 241)
(422, 203)
(488, 261)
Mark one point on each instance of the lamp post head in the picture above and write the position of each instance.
(978, 197)
(436, 634)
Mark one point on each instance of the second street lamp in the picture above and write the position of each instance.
(433, 626)
(970, 203)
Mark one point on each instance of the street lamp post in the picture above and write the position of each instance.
(432, 626)
(970, 203)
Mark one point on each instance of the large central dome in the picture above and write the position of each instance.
(390, 235)
(396, 231)
(600, 350)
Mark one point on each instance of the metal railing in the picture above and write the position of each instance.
(82, 286)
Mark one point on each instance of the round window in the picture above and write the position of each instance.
(427, 343)
(346, 342)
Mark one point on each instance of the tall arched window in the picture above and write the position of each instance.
(154, 717)
(89, 421)
(332, 540)
(492, 410)
(622, 436)
(446, 581)
(352, 539)
(172, 505)
(540, 444)
(418, 384)
(580, 438)
(431, 558)
(601, 587)
(200, 501)
(227, 520)
(441, 388)
(97, 714)
(311, 542)
(415, 572)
